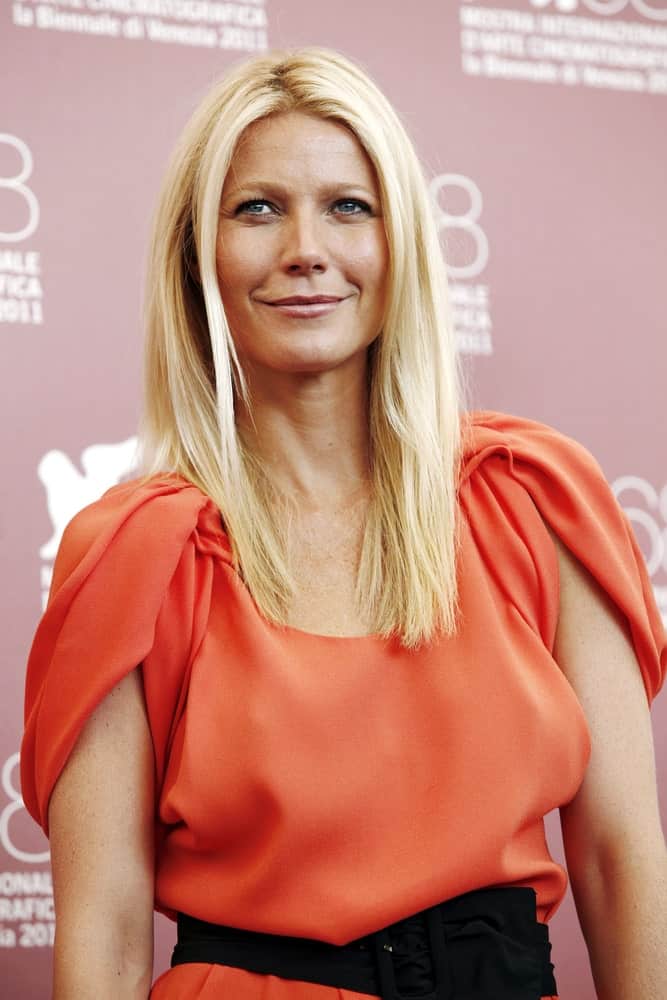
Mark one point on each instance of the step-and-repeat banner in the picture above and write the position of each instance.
(542, 125)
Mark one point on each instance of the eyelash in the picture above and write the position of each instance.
(364, 206)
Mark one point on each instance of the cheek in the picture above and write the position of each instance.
(240, 262)
(378, 277)
(368, 255)
(370, 263)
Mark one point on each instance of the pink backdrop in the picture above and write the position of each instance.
(543, 126)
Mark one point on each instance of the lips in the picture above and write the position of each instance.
(305, 306)
(303, 300)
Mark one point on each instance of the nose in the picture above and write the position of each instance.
(304, 250)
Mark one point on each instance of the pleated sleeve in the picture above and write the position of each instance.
(519, 474)
(130, 587)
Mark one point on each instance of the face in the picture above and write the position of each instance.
(301, 254)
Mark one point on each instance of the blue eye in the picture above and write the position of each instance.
(250, 207)
(351, 206)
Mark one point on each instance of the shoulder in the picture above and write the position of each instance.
(131, 586)
(488, 433)
(537, 500)
(166, 495)
(506, 458)
(137, 520)
(536, 481)
(521, 477)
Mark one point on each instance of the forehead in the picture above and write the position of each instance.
(297, 143)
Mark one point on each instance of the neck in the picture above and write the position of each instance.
(311, 434)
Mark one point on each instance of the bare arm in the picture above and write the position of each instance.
(614, 843)
(101, 832)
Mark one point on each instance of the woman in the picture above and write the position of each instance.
(314, 681)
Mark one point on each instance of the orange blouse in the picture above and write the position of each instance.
(321, 786)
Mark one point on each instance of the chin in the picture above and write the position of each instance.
(323, 360)
(312, 366)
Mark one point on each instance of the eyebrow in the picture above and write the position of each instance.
(271, 188)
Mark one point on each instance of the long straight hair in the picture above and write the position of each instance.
(407, 575)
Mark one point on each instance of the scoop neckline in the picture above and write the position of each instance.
(292, 630)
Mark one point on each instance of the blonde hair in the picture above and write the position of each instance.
(407, 576)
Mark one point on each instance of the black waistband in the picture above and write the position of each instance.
(483, 945)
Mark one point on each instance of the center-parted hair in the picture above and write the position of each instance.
(408, 567)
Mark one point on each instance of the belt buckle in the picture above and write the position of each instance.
(385, 953)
